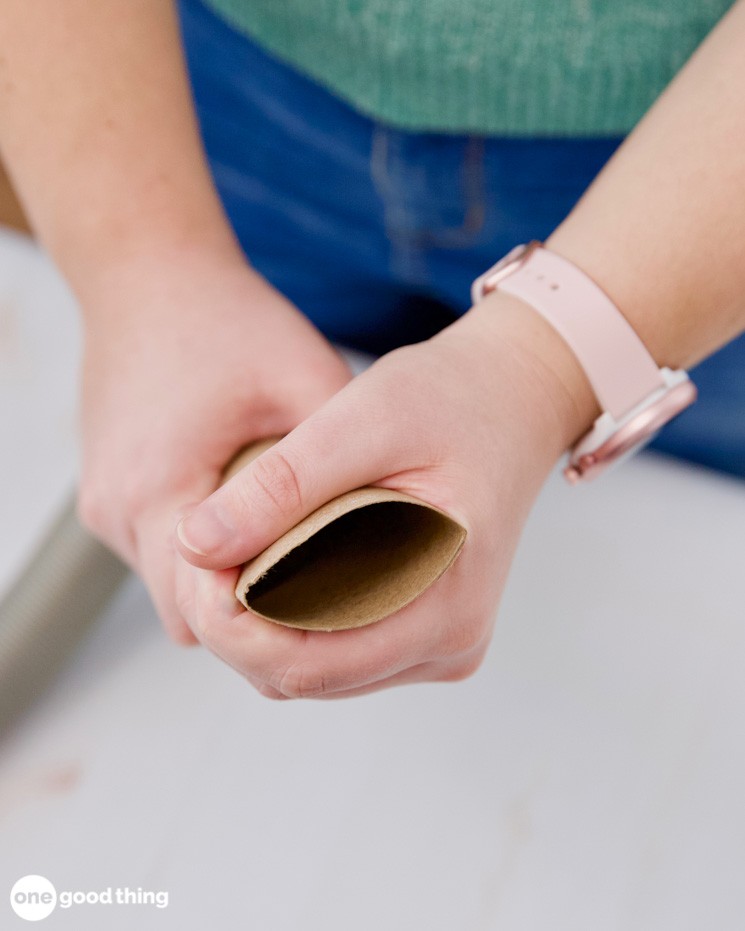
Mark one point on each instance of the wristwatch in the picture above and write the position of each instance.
(637, 397)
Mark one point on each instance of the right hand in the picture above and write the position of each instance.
(185, 362)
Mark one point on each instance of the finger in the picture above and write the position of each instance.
(344, 445)
(157, 559)
(184, 586)
(192, 603)
(424, 672)
(301, 663)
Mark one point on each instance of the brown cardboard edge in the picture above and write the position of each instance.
(315, 521)
(365, 622)
(257, 567)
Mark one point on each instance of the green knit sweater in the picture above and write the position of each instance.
(500, 67)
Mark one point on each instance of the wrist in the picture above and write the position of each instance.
(159, 276)
(560, 402)
(126, 249)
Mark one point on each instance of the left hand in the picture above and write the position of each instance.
(471, 421)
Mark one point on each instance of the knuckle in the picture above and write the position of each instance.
(183, 602)
(302, 681)
(135, 497)
(268, 691)
(277, 479)
(463, 669)
(200, 624)
(177, 630)
(89, 509)
(462, 637)
(104, 511)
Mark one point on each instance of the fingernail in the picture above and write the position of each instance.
(202, 532)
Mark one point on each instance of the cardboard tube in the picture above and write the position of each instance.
(353, 561)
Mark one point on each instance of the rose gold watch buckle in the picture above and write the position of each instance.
(508, 264)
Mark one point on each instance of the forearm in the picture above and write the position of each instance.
(661, 230)
(98, 131)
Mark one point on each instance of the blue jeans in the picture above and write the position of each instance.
(376, 233)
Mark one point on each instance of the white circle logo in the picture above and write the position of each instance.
(33, 898)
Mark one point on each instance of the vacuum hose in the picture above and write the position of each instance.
(63, 589)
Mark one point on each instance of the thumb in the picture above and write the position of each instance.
(331, 452)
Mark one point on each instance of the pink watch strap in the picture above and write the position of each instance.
(619, 367)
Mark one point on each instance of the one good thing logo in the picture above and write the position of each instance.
(34, 897)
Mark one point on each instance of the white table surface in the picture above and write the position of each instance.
(589, 777)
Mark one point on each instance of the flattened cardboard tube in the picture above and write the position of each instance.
(353, 561)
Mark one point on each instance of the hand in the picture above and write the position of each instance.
(184, 364)
(471, 421)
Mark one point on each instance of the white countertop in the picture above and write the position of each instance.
(589, 777)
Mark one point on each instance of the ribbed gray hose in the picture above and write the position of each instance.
(64, 588)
